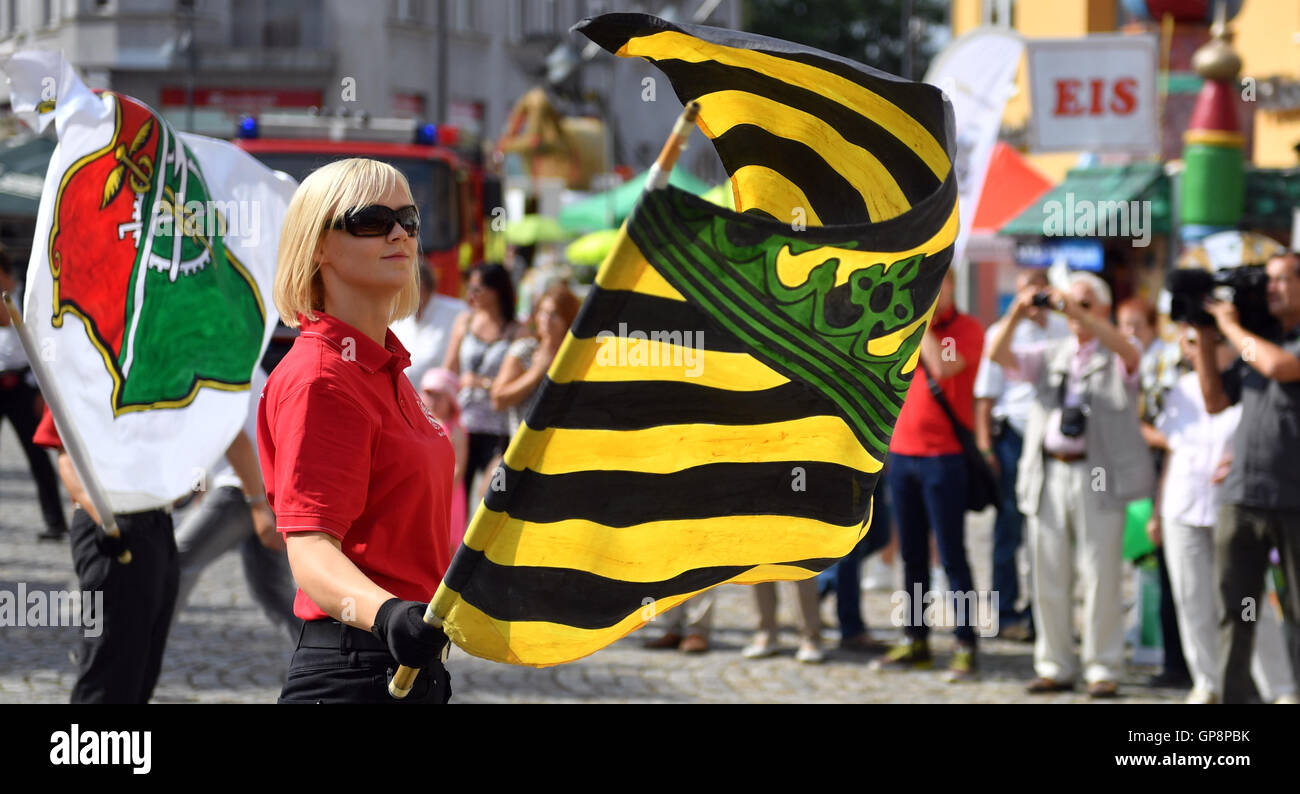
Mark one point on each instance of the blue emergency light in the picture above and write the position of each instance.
(248, 127)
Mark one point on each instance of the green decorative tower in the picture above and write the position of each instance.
(1213, 183)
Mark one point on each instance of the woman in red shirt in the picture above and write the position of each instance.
(357, 471)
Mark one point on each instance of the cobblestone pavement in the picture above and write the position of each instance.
(223, 650)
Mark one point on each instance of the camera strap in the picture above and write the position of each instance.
(1065, 380)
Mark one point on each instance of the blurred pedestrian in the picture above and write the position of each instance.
(235, 514)
(1188, 504)
(764, 643)
(427, 332)
(438, 389)
(357, 473)
(1158, 373)
(928, 477)
(121, 663)
(687, 627)
(1002, 404)
(1260, 507)
(528, 358)
(479, 341)
(845, 578)
(20, 403)
(1084, 459)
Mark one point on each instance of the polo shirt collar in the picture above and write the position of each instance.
(947, 317)
(371, 356)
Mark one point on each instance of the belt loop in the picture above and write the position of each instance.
(345, 641)
(302, 630)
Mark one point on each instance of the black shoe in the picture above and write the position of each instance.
(1170, 680)
(52, 534)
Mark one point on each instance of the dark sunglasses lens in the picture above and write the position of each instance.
(370, 221)
(409, 217)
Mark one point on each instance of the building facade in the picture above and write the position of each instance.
(205, 63)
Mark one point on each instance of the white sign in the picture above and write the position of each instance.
(1094, 94)
(977, 72)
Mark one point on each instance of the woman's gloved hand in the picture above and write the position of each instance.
(400, 625)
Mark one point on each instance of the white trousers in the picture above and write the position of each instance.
(1189, 552)
(1076, 532)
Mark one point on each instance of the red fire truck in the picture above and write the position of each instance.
(447, 183)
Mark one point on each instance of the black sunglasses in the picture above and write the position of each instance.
(377, 220)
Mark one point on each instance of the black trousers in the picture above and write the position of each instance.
(336, 663)
(1243, 538)
(121, 664)
(1171, 636)
(482, 448)
(17, 404)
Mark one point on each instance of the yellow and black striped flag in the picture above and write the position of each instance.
(723, 404)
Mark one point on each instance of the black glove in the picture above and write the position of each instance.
(109, 546)
(412, 642)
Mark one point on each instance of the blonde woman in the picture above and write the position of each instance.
(357, 472)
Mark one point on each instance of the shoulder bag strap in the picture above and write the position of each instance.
(936, 392)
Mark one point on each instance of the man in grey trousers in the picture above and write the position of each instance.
(1261, 496)
(234, 513)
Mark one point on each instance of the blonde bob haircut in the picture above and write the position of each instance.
(322, 198)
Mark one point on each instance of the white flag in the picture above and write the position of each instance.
(149, 285)
(977, 72)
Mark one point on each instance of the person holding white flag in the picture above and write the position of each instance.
(145, 313)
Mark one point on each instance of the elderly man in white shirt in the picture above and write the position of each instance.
(1002, 404)
(1188, 501)
(1084, 459)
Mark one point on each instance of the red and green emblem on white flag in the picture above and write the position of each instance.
(150, 280)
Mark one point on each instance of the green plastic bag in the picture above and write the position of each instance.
(1137, 544)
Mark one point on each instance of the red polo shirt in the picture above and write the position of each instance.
(923, 429)
(47, 435)
(348, 449)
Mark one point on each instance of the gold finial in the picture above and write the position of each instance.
(1216, 59)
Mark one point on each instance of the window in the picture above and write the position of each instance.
(281, 27)
(515, 19)
(997, 12)
(244, 27)
(433, 186)
(285, 23)
(410, 10)
(464, 15)
(541, 17)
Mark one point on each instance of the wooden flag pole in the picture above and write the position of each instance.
(67, 430)
(657, 179)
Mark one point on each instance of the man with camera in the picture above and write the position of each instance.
(1084, 459)
(1001, 409)
(1261, 495)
